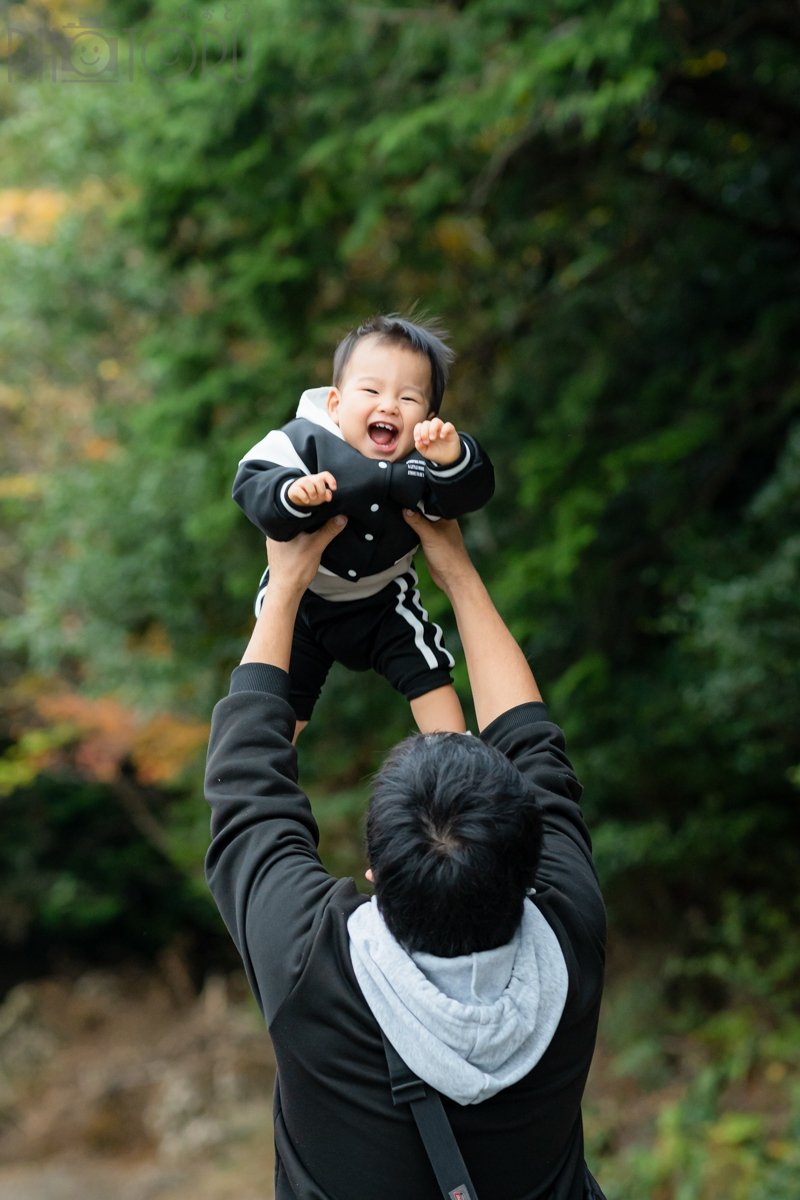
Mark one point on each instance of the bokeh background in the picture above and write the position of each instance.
(601, 200)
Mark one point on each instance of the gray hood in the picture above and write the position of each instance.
(468, 1026)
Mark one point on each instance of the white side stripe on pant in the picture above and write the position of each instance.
(407, 598)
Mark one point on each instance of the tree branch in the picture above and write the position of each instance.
(705, 204)
(142, 819)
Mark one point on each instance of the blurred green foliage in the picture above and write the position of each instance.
(602, 200)
(73, 877)
(705, 1046)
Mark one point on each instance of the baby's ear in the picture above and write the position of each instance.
(332, 404)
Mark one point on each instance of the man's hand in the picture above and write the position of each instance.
(445, 552)
(438, 441)
(312, 490)
(292, 565)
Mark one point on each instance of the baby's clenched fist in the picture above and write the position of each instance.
(312, 490)
(438, 441)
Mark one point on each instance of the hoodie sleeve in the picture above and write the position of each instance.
(537, 748)
(462, 487)
(262, 865)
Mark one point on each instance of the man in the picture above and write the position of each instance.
(480, 956)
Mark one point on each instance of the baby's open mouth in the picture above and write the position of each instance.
(383, 435)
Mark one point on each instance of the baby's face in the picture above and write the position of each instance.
(385, 391)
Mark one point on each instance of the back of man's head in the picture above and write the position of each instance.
(453, 838)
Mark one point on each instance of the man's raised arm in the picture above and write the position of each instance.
(262, 865)
(499, 674)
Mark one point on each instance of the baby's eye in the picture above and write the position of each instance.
(371, 391)
(411, 399)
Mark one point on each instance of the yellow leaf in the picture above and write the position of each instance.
(20, 487)
(109, 369)
(100, 449)
(31, 214)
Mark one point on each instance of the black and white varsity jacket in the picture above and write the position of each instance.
(377, 544)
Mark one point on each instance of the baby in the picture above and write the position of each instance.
(369, 446)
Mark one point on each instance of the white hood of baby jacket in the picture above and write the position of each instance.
(468, 1026)
(313, 405)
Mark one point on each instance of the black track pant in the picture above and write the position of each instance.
(389, 632)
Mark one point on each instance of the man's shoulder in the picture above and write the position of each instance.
(329, 941)
(522, 719)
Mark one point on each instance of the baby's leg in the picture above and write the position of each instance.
(439, 711)
(410, 653)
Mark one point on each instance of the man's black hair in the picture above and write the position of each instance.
(453, 838)
(423, 336)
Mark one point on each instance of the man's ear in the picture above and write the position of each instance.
(370, 878)
(332, 404)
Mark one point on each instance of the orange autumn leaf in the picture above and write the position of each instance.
(104, 730)
(165, 745)
(100, 449)
(107, 733)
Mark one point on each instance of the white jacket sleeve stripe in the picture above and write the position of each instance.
(461, 465)
(296, 512)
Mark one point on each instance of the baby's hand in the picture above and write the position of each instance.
(438, 441)
(312, 490)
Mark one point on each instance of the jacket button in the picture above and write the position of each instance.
(374, 507)
(352, 574)
(369, 537)
(383, 465)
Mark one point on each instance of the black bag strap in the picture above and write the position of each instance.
(437, 1133)
(434, 1128)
